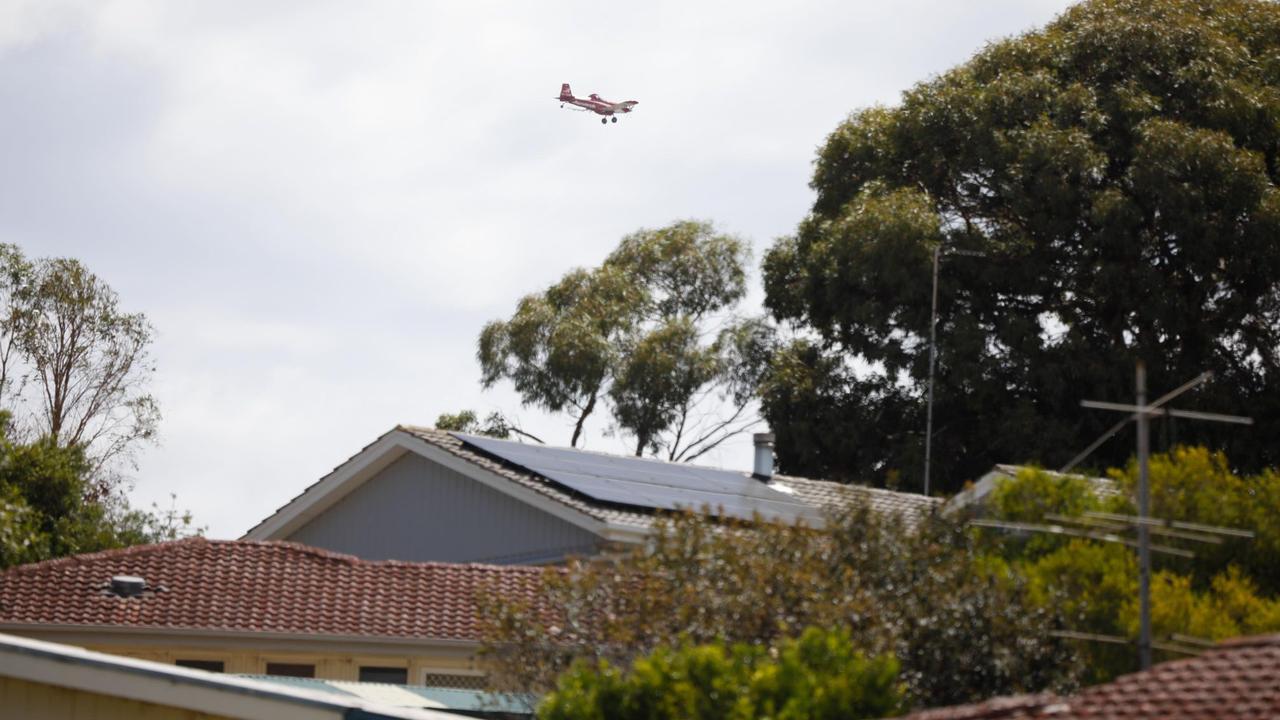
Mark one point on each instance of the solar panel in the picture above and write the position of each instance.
(650, 483)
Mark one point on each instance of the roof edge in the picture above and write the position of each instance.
(321, 553)
(18, 628)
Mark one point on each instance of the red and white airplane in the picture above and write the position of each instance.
(596, 104)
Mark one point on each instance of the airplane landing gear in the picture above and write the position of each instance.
(614, 119)
(604, 121)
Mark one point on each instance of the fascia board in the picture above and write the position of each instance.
(214, 638)
(331, 488)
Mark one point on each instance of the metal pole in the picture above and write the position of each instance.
(1144, 531)
(933, 354)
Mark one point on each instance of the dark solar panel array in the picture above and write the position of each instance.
(650, 483)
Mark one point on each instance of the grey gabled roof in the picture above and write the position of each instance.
(630, 521)
(822, 494)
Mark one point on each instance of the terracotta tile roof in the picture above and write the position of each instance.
(821, 493)
(259, 587)
(1009, 708)
(1235, 680)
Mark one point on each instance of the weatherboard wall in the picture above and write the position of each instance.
(418, 510)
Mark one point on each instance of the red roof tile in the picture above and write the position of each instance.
(1009, 708)
(1236, 680)
(268, 587)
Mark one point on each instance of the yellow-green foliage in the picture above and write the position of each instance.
(820, 676)
(1090, 581)
(1228, 590)
(1033, 493)
(1196, 485)
(1231, 607)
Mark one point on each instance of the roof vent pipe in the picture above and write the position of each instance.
(764, 455)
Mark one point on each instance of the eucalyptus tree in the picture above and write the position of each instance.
(1117, 170)
(651, 333)
(74, 365)
(90, 360)
(560, 347)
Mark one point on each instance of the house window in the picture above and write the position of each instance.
(298, 670)
(206, 665)
(451, 680)
(392, 675)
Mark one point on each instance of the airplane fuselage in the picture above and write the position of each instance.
(595, 103)
(601, 107)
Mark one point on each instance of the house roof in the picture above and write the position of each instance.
(259, 587)
(1234, 680)
(819, 493)
(976, 495)
(195, 691)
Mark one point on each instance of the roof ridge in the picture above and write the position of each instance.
(388, 562)
(660, 461)
(411, 428)
(81, 558)
(294, 547)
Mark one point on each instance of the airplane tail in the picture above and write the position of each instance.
(565, 92)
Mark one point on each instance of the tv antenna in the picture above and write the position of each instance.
(1108, 527)
(1142, 413)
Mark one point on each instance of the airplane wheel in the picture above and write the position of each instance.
(614, 119)
(604, 121)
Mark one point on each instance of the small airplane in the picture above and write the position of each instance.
(596, 104)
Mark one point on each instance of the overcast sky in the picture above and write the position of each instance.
(319, 204)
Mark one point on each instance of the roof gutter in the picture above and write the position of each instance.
(210, 637)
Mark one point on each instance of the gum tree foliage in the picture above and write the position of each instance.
(73, 363)
(961, 627)
(44, 511)
(650, 333)
(1227, 590)
(819, 676)
(467, 421)
(1118, 171)
(495, 425)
